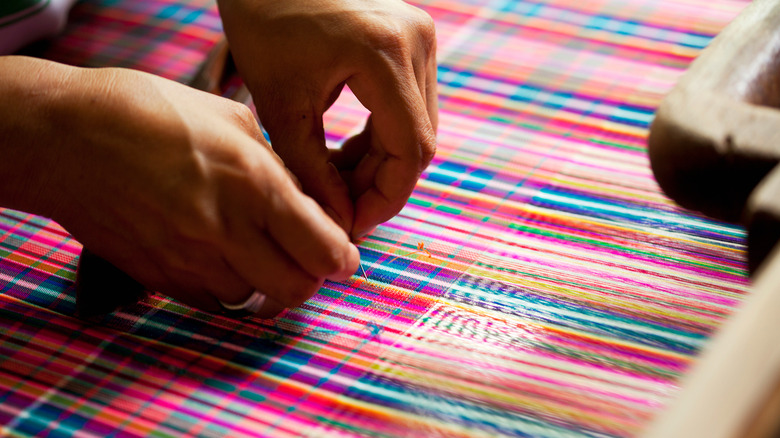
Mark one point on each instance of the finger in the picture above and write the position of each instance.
(426, 55)
(197, 297)
(347, 157)
(197, 278)
(183, 288)
(280, 241)
(158, 271)
(271, 308)
(432, 93)
(363, 176)
(315, 242)
(267, 268)
(306, 155)
(225, 283)
(357, 147)
(297, 135)
(334, 95)
(402, 140)
(248, 123)
(254, 303)
(355, 150)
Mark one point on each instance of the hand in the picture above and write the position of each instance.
(179, 189)
(296, 55)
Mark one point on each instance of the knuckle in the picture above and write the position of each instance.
(389, 38)
(245, 118)
(258, 177)
(427, 148)
(426, 30)
(276, 196)
(243, 112)
(249, 163)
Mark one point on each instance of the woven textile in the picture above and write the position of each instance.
(170, 38)
(564, 294)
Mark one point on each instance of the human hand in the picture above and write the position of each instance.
(296, 55)
(178, 188)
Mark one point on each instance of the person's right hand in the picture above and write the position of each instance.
(179, 189)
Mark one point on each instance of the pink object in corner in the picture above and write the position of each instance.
(25, 21)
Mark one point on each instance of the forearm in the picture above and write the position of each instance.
(30, 135)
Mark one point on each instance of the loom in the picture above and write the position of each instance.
(566, 295)
(714, 148)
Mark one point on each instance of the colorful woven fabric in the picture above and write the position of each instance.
(170, 38)
(564, 295)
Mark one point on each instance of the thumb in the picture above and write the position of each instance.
(298, 138)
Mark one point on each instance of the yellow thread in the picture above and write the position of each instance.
(420, 248)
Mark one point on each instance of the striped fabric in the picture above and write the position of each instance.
(564, 295)
(169, 38)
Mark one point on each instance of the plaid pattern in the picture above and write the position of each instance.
(565, 295)
(165, 37)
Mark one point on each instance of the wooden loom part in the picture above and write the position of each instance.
(715, 146)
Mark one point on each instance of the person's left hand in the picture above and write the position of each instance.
(296, 55)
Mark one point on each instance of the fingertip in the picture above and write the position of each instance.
(374, 208)
(353, 259)
(351, 262)
(359, 233)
